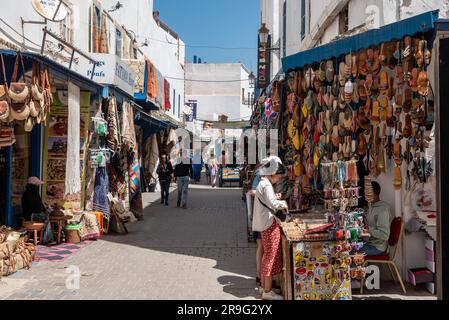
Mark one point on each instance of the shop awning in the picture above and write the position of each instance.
(55, 69)
(147, 121)
(418, 24)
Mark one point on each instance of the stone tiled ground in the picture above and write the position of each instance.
(198, 253)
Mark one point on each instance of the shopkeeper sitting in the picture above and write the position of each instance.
(379, 220)
(31, 200)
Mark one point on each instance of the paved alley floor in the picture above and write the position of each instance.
(198, 253)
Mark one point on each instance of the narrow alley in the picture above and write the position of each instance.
(201, 252)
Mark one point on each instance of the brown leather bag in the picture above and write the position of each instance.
(19, 93)
(4, 99)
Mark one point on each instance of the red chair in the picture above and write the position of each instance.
(396, 228)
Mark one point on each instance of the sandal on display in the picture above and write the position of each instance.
(384, 84)
(355, 93)
(397, 153)
(362, 63)
(369, 83)
(397, 178)
(399, 77)
(406, 54)
(341, 74)
(383, 54)
(407, 129)
(383, 105)
(407, 105)
(348, 66)
(361, 148)
(335, 137)
(376, 64)
(375, 115)
(322, 71)
(427, 55)
(362, 90)
(330, 72)
(423, 84)
(414, 80)
(419, 53)
(354, 66)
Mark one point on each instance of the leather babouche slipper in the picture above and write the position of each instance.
(341, 73)
(427, 54)
(362, 90)
(383, 105)
(407, 129)
(369, 83)
(362, 119)
(399, 76)
(362, 62)
(419, 52)
(322, 71)
(397, 153)
(361, 147)
(407, 105)
(414, 80)
(295, 83)
(367, 108)
(407, 53)
(355, 93)
(330, 71)
(423, 84)
(384, 85)
(375, 114)
(383, 54)
(398, 100)
(354, 66)
(397, 178)
(348, 66)
(376, 63)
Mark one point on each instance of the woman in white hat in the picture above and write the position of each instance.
(265, 205)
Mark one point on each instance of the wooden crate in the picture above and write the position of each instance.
(286, 278)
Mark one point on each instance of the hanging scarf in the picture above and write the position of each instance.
(167, 95)
(112, 118)
(73, 170)
(101, 190)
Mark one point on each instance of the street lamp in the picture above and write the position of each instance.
(252, 80)
(264, 34)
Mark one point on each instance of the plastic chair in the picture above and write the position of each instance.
(396, 228)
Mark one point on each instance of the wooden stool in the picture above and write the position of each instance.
(59, 222)
(34, 228)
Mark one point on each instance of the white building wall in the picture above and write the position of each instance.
(217, 97)
(293, 26)
(135, 15)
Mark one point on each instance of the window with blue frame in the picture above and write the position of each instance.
(174, 101)
(303, 19)
(179, 105)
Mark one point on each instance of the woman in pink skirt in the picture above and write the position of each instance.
(265, 205)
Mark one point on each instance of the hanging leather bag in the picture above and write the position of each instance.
(19, 93)
(4, 99)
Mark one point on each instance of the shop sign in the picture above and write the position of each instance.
(53, 10)
(263, 66)
(191, 115)
(110, 70)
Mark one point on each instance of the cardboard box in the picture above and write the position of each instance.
(420, 275)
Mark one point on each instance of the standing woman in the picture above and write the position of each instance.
(213, 173)
(265, 205)
(165, 171)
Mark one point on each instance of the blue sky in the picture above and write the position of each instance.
(223, 23)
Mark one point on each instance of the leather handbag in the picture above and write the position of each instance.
(19, 93)
(4, 99)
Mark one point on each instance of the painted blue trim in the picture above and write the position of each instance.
(36, 151)
(442, 25)
(8, 187)
(418, 24)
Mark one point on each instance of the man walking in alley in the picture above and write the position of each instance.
(183, 172)
(164, 171)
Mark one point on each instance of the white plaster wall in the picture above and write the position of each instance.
(215, 98)
(293, 26)
(331, 32)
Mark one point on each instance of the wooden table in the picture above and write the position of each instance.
(60, 222)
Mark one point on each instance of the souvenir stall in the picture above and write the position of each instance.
(352, 111)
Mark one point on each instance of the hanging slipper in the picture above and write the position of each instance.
(328, 121)
(369, 83)
(398, 103)
(355, 93)
(383, 54)
(414, 80)
(309, 78)
(362, 120)
(292, 102)
(370, 58)
(348, 91)
(384, 83)
(423, 84)
(335, 137)
(320, 124)
(322, 71)
(419, 53)
(348, 119)
(375, 87)
(407, 105)
(407, 129)
(291, 129)
(390, 115)
(362, 63)
(376, 64)
(397, 153)
(427, 54)
(406, 54)
(355, 66)
(348, 66)
(330, 72)
(341, 74)
(303, 85)
(383, 105)
(375, 114)
(397, 178)
(399, 77)
(362, 90)
(295, 83)
(361, 147)
(316, 135)
(367, 108)
(419, 116)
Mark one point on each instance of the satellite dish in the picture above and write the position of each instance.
(187, 110)
(53, 10)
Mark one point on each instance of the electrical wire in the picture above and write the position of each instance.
(206, 81)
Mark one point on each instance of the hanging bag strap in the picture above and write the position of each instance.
(16, 69)
(23, 67)
(4, 72)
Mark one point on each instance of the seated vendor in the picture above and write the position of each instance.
(379, 219)
(31, 200)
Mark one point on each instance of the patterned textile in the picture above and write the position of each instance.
(272, 257)
(151, 83)
(60, 252)
(101, 190)
(167, 103)
(112, 118)
(160, 88)
(89, 226)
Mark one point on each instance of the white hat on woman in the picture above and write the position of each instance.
(272, 168)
